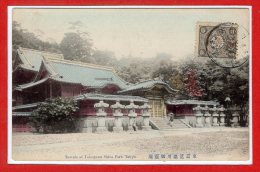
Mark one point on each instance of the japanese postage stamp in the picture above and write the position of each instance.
(218, 41)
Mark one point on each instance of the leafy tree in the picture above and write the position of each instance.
(74, 46)
(191, 85)
(55, 115)
(176, 81)
(135, 72)
(25, 39)
(104, 58)
(170, 74)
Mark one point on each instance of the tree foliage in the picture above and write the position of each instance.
(76, 47)
(55, 115)
(103, 57)
(25, 39)
(191, 84)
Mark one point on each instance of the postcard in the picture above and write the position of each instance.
(130, 85)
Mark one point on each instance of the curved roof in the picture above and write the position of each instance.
(190, 102)
(109, 97)
(68, 71)
(148, 84)
(85, 74)
(32, 59)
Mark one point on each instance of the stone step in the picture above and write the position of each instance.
(163, 124)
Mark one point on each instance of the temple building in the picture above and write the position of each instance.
(39, 75)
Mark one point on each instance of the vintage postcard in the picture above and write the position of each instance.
(130, 85)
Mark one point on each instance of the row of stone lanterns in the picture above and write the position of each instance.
(218, 116)
(101, 114)
(117, 113)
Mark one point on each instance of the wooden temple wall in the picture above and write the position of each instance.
(181, 110)
(70, 90)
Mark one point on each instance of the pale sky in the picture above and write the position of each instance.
(136, 32)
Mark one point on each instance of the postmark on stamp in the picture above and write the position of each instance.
(218, 41)
(226, 44)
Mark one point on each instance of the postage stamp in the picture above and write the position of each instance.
(223, 43)
(122, 85)
(218, 41)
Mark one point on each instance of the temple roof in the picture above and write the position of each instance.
(32, 59)
(148, 84)
(93, 96)
(25, 106)
(21, 113)
(67, 71)
(86, 74)
(31, 84)
(190, 102)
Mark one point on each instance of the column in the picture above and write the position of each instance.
(118, 116)
(198, 115)
(235, 119)
(207, 116)
(146, 116)
(222, 115)
(101, 115)
(85, 127)
(215, 116)
(132, 115)
(247, 119)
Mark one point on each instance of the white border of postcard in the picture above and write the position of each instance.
(11, 161)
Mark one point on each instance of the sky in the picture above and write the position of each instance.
(130, 32)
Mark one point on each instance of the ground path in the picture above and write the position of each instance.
(192, 144)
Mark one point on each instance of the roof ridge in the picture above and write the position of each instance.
(49, 67)
(22, 55)
(83, 64)
(40, 51)
(147, 81)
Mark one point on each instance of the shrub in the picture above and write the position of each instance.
(55, 115)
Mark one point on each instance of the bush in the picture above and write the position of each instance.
(55, 116)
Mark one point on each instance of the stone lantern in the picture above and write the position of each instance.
(199, 116)
(235, 118)
(146, 115)
(101, 114)
(215, 116)
(247, 119)
(132, 114)
(117, 107)
(207, 116)
(222, 115)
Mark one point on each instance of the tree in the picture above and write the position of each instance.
(135, 72)
(55, 115)
(25, 39)
(76, 47)
(169, 74)
(176, 81)
(104, 58)
(191, 85)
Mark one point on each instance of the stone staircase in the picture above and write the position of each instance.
(163, 124)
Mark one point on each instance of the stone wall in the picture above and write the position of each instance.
(90, 124)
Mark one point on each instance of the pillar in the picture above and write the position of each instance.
(247, 119)
(85, 127)
(146, 116)
(118, 116)
(101, 116)
(199, 116)
(132, 115)
(207, 116)
(215, 116)
(235, 119)
(222, 116)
